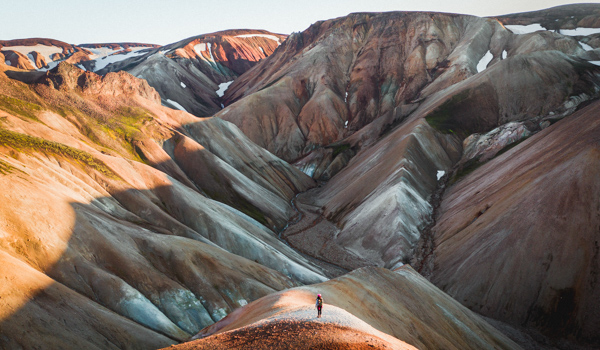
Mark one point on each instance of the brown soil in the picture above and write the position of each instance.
(291, 335)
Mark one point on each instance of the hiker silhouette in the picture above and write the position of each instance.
(319, 305)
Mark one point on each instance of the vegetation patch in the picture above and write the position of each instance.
(24, 143)
(19, 107)
(6, 168)
(339, 148)
(443, 117)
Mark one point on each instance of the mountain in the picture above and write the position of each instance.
(389, 109)
(544, 260)
(127, 209)
(417, 313)
(190, 75)
(43, 54)
(193, 74)
(464, 147)
(38, 53)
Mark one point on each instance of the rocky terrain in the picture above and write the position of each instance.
(417, 313)
(193, 74)
(112, 210)
(44, 54)
(323, 162)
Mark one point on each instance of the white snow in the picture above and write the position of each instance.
(579, 31)
(204, 47)
(51, 65)
(585, 46)
(309, 169)
(263, 50)
(520, 29)
(102, 51)
(440, 173)
(177, 105)
(80, 66)
(346, 97)
(272, 37)
(44, 50)
(7, 62)
(223, 87)
(504, 54)
(346, 124)
(182, 84)
(485, 60)
(105, 61)
(595, 62)
(200, 48)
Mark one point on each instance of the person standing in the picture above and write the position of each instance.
(319, 305)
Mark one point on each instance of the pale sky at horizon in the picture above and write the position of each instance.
(164, 22)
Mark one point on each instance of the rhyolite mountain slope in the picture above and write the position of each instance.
(43, 54)
(109, 53)
(193, 74)
(416, 313)
(149, 222)
(38, 53)
(152, 219)
(382, 106)
(530, 217)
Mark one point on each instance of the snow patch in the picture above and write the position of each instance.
(223, 87)
(105, 61)
(182, 84)
(242, 302)
(585, 46)
(50, 66)
(579, 31)
(44, 50)
(595, 62)
(204, 47)
(520, 29)
(346, 97)
(102, 51)
(440, 173)
(309, 169)
(504, 54)
(177, 105)
(272, 37)
(7, 62)
(346, 124)
(263, 50)
(484, 61)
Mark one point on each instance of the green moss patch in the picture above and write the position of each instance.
(6, 168)
(442, 118)
(339, 148)
(25, 143)
(19, 107)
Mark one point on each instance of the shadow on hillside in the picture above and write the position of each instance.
(132, 274)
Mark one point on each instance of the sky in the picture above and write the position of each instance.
(166, 21)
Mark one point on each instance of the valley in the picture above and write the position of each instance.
(434, 176)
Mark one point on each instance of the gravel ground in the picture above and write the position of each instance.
(299, 328)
